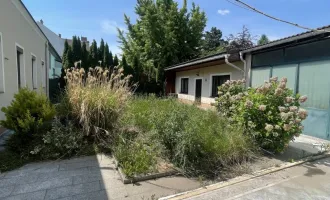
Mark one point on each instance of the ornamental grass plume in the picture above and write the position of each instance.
(97, 99)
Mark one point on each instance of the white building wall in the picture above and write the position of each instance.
(205, 74)
(17, 27)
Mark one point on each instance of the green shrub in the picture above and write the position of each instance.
(26, 115)
(271, 113)
(195, 140)
(135, 157)
(63, 140)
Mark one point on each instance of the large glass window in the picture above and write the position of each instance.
(216, 82)
(184, 85)
(314, 82)
(268, 58)
(288, 71)
(259, 76)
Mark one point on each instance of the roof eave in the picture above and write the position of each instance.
(217, 57)
(276, 43)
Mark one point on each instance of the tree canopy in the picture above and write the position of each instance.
(241, 40)
(263, 40)
(163, 35)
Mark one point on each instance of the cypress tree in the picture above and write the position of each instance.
(110, 60)
(76, 48)
(84, 57)
(115, 61)
(105, 62)
(93, 58)
(69, 59)
(66, 48)
(101, 52)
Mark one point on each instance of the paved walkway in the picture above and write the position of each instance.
(93, 177)
(307, 181)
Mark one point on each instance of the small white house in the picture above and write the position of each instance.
(199, 79)
(24, 52)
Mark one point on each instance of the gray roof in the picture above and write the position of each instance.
(54, 39)
(303, 35)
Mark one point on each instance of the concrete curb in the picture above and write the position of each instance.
(127, 180)
(243, 178)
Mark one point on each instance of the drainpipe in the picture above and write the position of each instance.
(244, 61)
(232, 65)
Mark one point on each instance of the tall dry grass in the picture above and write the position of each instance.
(97, 99)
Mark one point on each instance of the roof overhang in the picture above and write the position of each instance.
(197, 62)
(298, 37)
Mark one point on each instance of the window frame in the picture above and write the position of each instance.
(2, 65)
(34, 71)
(22, 66)
(181, 89)
(211, 81)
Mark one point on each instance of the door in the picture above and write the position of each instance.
(198, 90)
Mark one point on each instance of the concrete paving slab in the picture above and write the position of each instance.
(99, 195)
(6, 191)
(72, 190)
(32, 187)
(306, 181)
(39, 195)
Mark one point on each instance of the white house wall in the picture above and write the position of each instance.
(17, 27)
(205, 74)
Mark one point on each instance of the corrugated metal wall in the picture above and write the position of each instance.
(308, 75)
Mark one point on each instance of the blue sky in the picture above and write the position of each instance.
(98, 19)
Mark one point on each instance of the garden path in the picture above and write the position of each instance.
(92, 177)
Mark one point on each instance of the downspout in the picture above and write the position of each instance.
(244, 61)
(232, 65)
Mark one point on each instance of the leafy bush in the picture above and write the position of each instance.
(63, 140)
(195, 140)
(26, 115)
(27, 112)
(270, 113)
(135, 157)
(97, 100)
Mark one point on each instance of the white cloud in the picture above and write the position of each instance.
(110, 27)
(223, 12)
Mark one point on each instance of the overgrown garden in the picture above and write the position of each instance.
(99, 112)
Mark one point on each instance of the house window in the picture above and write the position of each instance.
(184, 85)
(34, 72)
(2, 75)
(20, 66)
(218, 80)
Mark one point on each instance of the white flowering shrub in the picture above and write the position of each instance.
(271, 113)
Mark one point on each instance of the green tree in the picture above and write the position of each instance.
(69, 59)
(76, 48)
(84, 57)
(213, 41)
(110, 60)
(163, 35)
(66, 48)
(115, 61)
(240, 41)
(106, 59)
(93, 58)
(100, 52)
(263, 40)
(127, 68)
